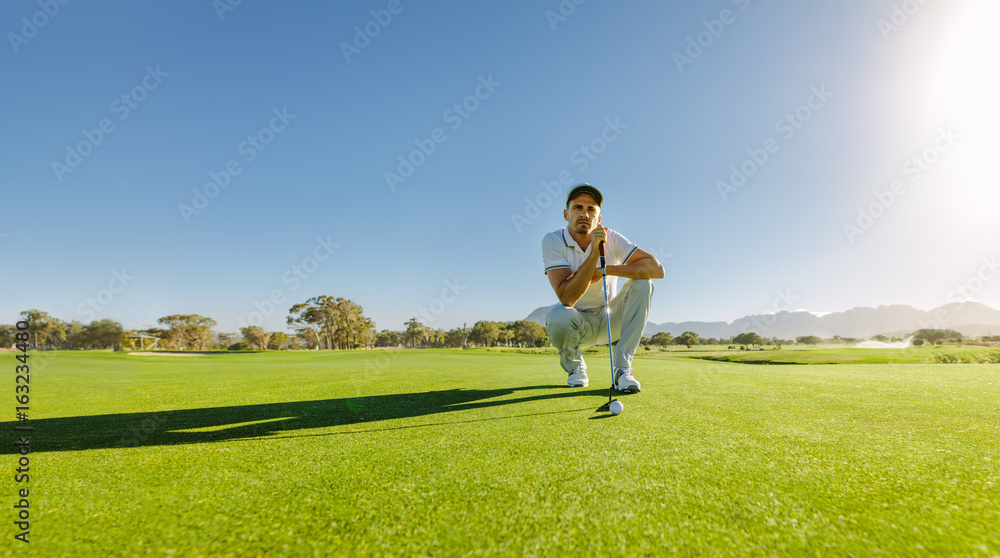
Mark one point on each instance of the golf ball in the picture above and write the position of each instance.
(616, 407)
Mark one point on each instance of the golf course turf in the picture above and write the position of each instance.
(452, 453)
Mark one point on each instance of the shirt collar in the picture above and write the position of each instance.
(570, 241)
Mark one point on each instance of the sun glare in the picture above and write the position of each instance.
(963, 92)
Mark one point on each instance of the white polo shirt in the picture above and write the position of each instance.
(559, 250)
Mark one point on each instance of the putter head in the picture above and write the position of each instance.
(605, 407)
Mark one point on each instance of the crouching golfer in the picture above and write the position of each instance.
(572, 262)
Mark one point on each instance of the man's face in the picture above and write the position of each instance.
(583, 214)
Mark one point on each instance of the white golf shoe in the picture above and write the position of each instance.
(578, 378)
(625, 382)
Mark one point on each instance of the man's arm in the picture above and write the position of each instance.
(570, 286)
(642, 265)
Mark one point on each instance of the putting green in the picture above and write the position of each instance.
(445, 452)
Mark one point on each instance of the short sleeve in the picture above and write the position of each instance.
(623, 249)
(553, 256)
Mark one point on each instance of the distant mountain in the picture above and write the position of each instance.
(538, 316)
(971, 319)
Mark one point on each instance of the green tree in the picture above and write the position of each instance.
(505, 334)
(415, 333)
(7, 336)
(200, 332)
(688, 338)
(46, 332)
(453, 338)
(366, 332)
(808, 340)
(256, 337)
(937, 336)
(351, 318)
(337, 322)
(224, 340)
(749, 338)
(188, 331)
(527, 334)
(437, 337)
(75, 336)
(317, 317)
(103, 334)
(484, 333)
(309, 336)
(661, 339)
(387, 338)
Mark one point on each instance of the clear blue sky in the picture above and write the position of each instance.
(884, 86)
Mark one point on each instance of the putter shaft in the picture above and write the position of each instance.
(607, 317)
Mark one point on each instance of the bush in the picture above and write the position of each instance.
(241, 346)
(964, 358)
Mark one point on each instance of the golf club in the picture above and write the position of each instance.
(607, 317)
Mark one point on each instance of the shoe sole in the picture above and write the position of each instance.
(576, 385)
(628, 390)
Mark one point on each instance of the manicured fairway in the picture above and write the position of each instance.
(450, 453)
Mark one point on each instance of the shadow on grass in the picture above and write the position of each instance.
(192, 426)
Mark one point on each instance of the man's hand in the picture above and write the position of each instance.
(598, 235)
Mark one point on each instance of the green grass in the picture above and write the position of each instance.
(841, 355)
(413, 453)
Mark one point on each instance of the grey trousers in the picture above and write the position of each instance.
(570, 329)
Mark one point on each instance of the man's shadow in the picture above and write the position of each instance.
(192, 426)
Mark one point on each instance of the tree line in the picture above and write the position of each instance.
(754, 340)
(690, 339)
(326, 322)
(322, 322)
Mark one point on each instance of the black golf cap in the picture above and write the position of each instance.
(585, 189)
